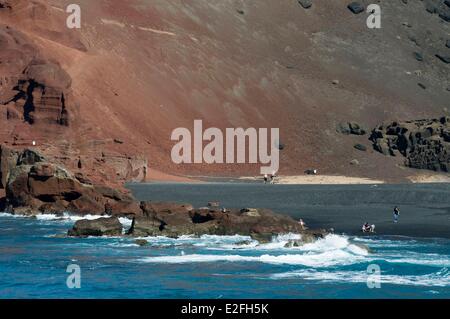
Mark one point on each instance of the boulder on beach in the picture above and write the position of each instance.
(348, 128)
(306, 4)
(360, 147)
(443, 58)
(356, 7)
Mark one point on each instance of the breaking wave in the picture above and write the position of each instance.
(54, 217)
(332, 250)
(440, 278)
(69, 218)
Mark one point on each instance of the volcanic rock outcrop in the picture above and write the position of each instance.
(175, 220)
(439, 7)
(424, 143)
(33, 185)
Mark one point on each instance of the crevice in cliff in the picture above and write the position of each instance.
(46, 198)
(63, 118)
(29, 106)
(200, 219)
(71, 196)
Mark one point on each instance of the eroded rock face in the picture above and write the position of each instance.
(98, 227)
(16, 53)
(133, 169)
(8, 160)
(43, 94)
(424, 143)
(35, 185)
(31, 87)
(36, 91)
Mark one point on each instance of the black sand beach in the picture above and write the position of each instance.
(424, 208)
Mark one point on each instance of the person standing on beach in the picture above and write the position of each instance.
(272, 178)
(396, 214)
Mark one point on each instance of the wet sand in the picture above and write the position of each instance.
(319, 180)
(424, 208)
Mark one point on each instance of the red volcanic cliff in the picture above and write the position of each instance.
(103, 100)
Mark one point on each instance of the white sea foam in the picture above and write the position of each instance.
(66, 217)
(389, 243)
(440, 278)
(325, 259)
(278, 243)
(424, 260)
(333, 250)
(9, 215)
(53, 217)
(122, 244)
(126, 224)
(330, 251)
(205, 241)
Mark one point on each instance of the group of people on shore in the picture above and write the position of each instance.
(367, 228)
(269, 178)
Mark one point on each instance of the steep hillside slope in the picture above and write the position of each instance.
(106, 97)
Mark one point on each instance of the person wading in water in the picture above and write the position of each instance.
(396, 214)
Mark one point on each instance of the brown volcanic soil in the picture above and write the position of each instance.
(140, 69)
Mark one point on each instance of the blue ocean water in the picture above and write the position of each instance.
(33, 264)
